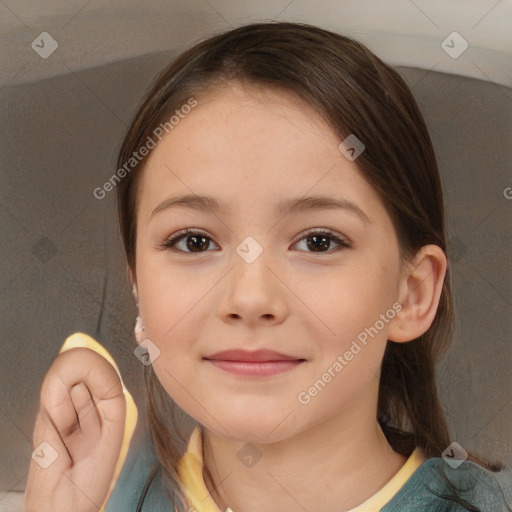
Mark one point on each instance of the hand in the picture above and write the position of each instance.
(82, 417)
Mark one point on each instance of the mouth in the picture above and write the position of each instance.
(259, 363)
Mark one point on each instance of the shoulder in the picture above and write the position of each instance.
(442, 487)
(134, 477)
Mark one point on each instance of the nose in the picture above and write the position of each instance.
(253, 292)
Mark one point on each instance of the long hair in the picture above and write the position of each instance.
(354, 92)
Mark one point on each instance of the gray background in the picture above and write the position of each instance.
(64, 269)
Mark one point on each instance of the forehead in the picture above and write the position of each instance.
(236, 118)
(249, 144)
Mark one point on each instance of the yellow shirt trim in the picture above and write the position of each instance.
(190, 468)
(81, 340)
(383, 497)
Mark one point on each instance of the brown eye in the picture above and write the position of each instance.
(194, 242)
(320, 240)
(318, 243)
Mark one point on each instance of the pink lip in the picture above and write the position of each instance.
(258, 363)
(255, 369)
(261, 355)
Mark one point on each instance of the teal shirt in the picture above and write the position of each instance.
(484, 490)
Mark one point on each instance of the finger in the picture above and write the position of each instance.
(49, 452)
(49, 459)
(86, 411)
(84, 365)
(58, 405)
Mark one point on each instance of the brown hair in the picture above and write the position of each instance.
(355, 93)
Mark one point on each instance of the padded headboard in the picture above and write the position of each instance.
(64, 270)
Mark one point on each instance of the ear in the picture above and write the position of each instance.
(133, 281)
(420, 289)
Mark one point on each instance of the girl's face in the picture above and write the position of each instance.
(259, 279)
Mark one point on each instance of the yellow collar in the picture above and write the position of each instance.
(190, 468)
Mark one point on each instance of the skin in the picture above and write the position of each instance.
(250, 148)
(81, 416)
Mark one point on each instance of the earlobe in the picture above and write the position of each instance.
(139, 330)
(419, 294)
(133, 282)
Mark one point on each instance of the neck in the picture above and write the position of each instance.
(332, 466)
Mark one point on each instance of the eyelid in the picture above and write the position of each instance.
(341, 239)
(183, 233)
(187, 231)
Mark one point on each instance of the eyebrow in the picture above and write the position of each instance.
(284, 207)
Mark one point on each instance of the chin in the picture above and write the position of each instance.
(255, 428)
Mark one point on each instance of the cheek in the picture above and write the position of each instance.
(172, 299)
(342, 302)
(343, 318)
(347, 326)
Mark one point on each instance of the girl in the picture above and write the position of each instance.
(283, 221)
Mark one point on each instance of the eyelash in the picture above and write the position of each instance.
(342, 242)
